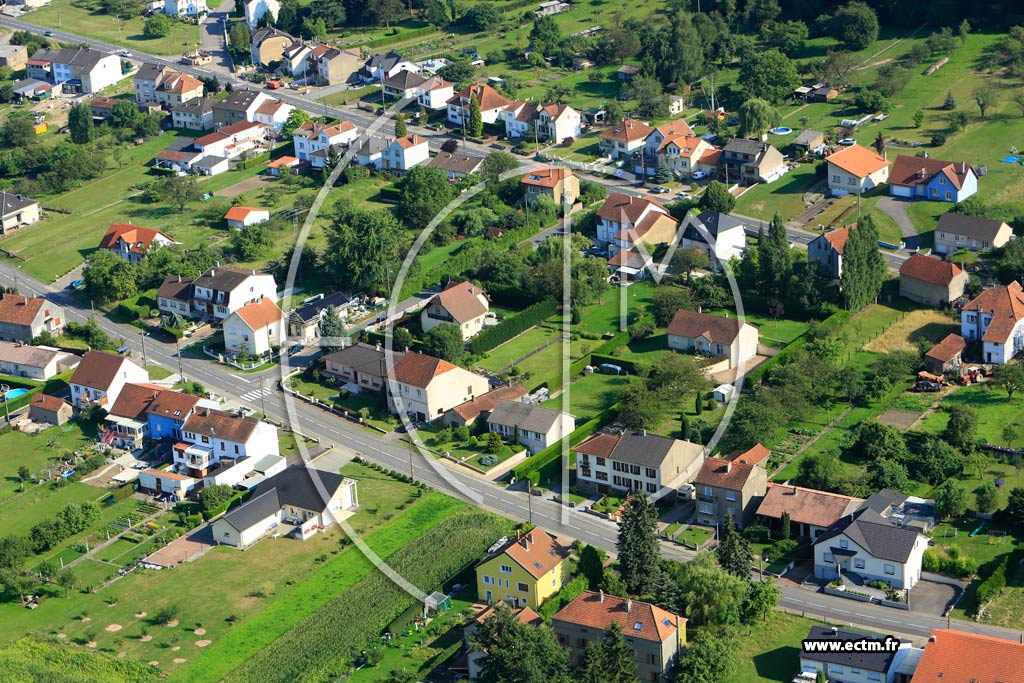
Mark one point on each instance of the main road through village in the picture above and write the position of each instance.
(261, 391)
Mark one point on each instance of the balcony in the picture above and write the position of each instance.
(706, 498)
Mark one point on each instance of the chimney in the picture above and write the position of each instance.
(600, 595)
(728, 466)
(629, 605)
(795, 490)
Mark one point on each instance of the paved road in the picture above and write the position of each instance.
(259, 390)
(896, 209)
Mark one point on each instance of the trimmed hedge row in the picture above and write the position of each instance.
(231, 503)
(513, 326)
(620, 339)
(553, 452)
(253, 160)
(627, 365)
(990, 587)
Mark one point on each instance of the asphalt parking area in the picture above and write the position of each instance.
(928, 597)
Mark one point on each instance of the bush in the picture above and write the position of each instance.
(757, 533)
(513, 326)
(938, 139)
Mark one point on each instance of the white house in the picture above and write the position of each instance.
(255, 9)
(863, 666)
(382, 67)
(491, 104)
(295, 503)
(719, 235)
(239, 217)
(713, 335)
(434, 93)
(100, 376)
(273, 114)
(221, 291)
(76, 69)
(636, 461)
(622, 212)
(405, 153)
(34, 362)
(559, 121)
(165, 483)
(996, 317)
(258, 328)
(621, 140)
(532, 426)
(230, 142)
(213, 438)
(869, 545)
(185, 8)
(854, 170)
(134, 242)
(463, 304)
(424, 387)
(313, 137)
(677, 145)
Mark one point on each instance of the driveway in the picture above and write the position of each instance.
(185, 549)
(244, 186)
(928, 597)
(896, 209)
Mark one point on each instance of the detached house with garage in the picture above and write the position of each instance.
(676, 145)
(871, 546)
(622, 140)
(100, 376)
(932, 179)
(490, 101)
(530, 425)
(750, 161)
(931, 281)
(855, 170)
(624, 212)
(636, 461)
(257, 328)
(719, 235)
(213, 441)
(424, 387)
(134, 242)
(295, 503)
(463, 304)
(996, 318)
(523, 571)
(656, 636)
(732, 487)
(713, 335)
(405, 153)
(23, 319)
(827, 250)
(955, 231)
(810, 511)
(457, 166)
(360, 366)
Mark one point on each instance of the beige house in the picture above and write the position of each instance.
(619, 141)
(855, 170)
(34, 362)
(556, 184)
(750, 161)
(258, 328)
(463, 304)
(361, 365)
(656, 636)
(532, 426)
(47, 409)
(466, 414)
(424, 387)
(23, 319)
(13, 56)
(713, 335)
(637, 462)
(336, 66)
(946, 356)
(268, 45)
(955, 231)
(15, 211)
(678, 145)
(931, 281)
(731, 487)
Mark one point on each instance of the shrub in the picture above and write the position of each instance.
(938, 139)
(757, 533)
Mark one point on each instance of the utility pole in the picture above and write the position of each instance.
(144, 361)
(412, 473)
(181, 372)
(263, 399)
(529, 498)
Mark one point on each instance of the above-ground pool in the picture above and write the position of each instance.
(781, 131)
(15, 393)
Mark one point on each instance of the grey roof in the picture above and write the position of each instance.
(30, 356)
(256, 509)
(647, 450)
(209, 161)
(807, 137)
(405, 80)
(868, 661)
(373, 145)
(527, 417)
(970, 226)
(149, 72)
(11, 202)
(28, 85)
(884, 499)
(385, 61)
(877, 535)
(78, 56)
(311, 310)
(221, 278)
(714, 222)
(295, 486)
(269, 32)
(363, 358)
(198, 105)
(457, 163)
(744, 146)
(237, 100)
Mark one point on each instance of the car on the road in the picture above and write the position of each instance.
(125, 53)
(658, 189)
(847, 142)
(75, 284)
(700, 175)
(684, 195)
(48, 34)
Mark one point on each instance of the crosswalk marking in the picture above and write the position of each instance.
(255, 394)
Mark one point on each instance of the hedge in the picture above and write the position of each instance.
(990, 587)
(513, 326)
(627, 365)
(757, 374)
(231, 503)
(619, 340)
(553, 452)
(252, 161)
(390, 193)
(400, 36)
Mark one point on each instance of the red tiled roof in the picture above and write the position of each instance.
(535, 551)
(98, 369)
(240, 213)
(48, 402)
(418, 369)
(239, 127)
(208, 422)
(637, 619)
(726, 474)
(837, 238)
(134, 399)
(525, 616)
(929, 269)
(947, 349)
(173, 404)
(907, 170)
(137, 237)
(487, 97)
(599, 445)
(260, 313)
(629, 130)
(806, 506)
(411, 140)
(545, 176)
(952, 656)
(757, 453)
(483, 403)
(19, 310)
(857, 161)
(283, 161)
(164, 474)
(624, 208)
(1006, 306)
(712, 327)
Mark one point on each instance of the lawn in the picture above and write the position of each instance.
(505, 355)
(995, 414)
(604, 316)
(770, 651)
(771, 332)
(903, 335)
(590, 395)
(785, 195)
(695, 535)
(88, 19)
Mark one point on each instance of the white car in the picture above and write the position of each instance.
(847, 142)
(700, 175)
(124, 53)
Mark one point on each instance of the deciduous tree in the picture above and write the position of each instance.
(769, 75)
(716, 197)
(950, 500)
(444, 342)
(962, 429)
(80, 123)
(757, 116)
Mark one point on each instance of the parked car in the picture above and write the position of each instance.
(847, 142)
(75, 284)
(684, 195)
(125, 53)
(658, 189)
(48, 34)
(927, 385)
(700, 175)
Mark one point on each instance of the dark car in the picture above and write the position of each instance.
(927, 385)
(48, 34)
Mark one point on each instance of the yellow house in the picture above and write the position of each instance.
(523, 572)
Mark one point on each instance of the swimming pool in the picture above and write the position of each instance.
(15, 393)
(781, 131)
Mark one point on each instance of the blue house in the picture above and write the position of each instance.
(932, 179)
(168, 411)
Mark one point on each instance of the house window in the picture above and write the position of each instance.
(828, 558)
(836, 669)
(523, 588)
(851, 181)
(600, 462)
(488, 581)
(874, 676)
(206, 439)
(730, 496)
(942, 181)
(652, 488)
(858, 563)
(889, 569)
(843, 543)
(949, 196)
(652, 473)
(708, 491)
(236, 449)
(505, 569)
(602, 476)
